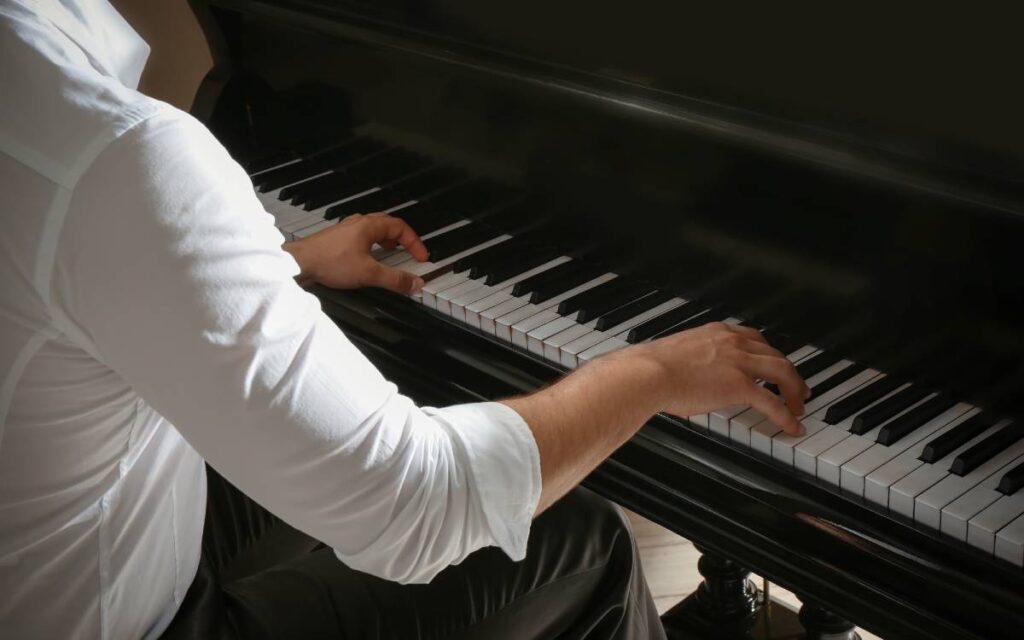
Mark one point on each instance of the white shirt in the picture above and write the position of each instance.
(149, 320)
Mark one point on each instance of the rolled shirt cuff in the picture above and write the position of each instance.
(505, 464)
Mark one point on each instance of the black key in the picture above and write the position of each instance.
(267, 162)
(957, 437)
(420, 212)
(563, 283)
(284, 176)
(380, 168)
(835, 380)
(471, 198)
(813, 366)
(714, 315)
(528, 285)
(457, 240)
(670, 318)
(632, 310)
(596, 294)
(431, 223)
(528, 261)
(488, 257)
(428, 181)
(598, 308)
(911, 420)
(894, 404)
(983, 451)
(378, 201)
(317, 163)
(1012, 481)
(860, 398)
(785, 344)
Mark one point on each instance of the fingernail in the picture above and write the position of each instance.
(417, 285)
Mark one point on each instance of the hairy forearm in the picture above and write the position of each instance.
(583, 418)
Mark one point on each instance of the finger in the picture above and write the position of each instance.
(782, 373)
(379, 275)
(389, 228)
(749, 332)
(772, 407)
(387, 244)
(762, 348)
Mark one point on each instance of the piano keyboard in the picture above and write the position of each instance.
(943, 464)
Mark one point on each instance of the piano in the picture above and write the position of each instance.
(589, 176)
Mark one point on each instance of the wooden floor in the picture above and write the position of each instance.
(670, 564)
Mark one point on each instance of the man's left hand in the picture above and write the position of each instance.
(340, 256)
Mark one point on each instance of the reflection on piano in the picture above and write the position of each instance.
(572, 211)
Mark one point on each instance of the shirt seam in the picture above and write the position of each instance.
(53, 224)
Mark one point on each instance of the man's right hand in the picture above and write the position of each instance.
(719, 365)
(580, 420)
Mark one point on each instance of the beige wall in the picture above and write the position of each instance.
(180, 57)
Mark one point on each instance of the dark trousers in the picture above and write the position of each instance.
(260, 578)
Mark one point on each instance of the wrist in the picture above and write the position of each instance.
(647, 374)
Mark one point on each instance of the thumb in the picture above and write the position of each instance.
(393, 279)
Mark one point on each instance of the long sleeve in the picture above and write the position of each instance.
(169, 272)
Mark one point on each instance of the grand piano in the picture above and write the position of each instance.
(590, 175)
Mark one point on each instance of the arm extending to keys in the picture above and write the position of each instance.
(582, 419)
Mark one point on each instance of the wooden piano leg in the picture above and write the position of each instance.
(727, 605)
(820, 623)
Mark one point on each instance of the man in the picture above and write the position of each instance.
(151, 320)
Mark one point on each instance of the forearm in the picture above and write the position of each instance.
(582, 419)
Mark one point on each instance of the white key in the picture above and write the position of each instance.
(399, 207)
(500, 310)
(805, 454)
(1010, 542)
(479, 312)
(468, 305)
(761, 434)
(813, 421)
(612, 344)
(982, 528)
(854, 471)
(878, 482)
(505, 325)
(571, 350)
(474, 311)
(903, 493)
(928, 505)
(521, 329)
(435, 286)
(276, 166)
(740, 425)
(832, 460)
(424, 268)
(955, 515)
(444, 298)
(535, 338)
(310, 230)
(553, 345)
(718, 420)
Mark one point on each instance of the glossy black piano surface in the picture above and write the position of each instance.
(798, 187)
